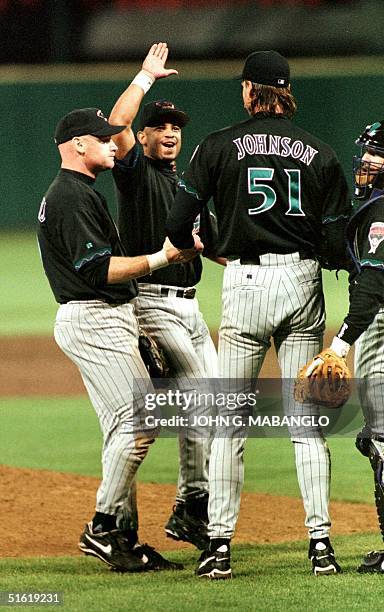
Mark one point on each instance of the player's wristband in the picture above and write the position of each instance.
(157, 260)
(340, 347)
(143, 80)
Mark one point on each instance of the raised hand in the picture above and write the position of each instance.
(154, 63)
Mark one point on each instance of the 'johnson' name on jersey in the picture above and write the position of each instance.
(269, 144)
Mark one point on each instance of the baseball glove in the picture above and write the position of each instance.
(325, 380)
(153, 356)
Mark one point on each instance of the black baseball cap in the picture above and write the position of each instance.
(266, 68)
(82, 121)
(162, 111)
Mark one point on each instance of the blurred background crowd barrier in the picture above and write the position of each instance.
(115, 30)
(56, 55)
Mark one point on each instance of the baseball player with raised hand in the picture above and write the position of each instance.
(166, 307)
(281, 201)
(365, 319)
(93, 281)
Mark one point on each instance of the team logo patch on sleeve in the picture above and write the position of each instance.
(375, 236)
(41, 215)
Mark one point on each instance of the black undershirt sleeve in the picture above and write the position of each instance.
(366, 299)
(96, 271)
(334, 255)
(336, 211)
(181, 217)
(208, 232)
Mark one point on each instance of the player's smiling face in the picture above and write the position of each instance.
(161, 142)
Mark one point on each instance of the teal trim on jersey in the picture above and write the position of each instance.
(188, 189)
(372, 263)
(91, 256)
(373, 129)
(331, 219)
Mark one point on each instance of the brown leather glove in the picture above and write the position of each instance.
(153, 356)
(325, 380)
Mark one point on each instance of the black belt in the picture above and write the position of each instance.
(189, 294)
(255, 260)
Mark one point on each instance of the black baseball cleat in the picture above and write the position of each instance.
(373, 563)
(323, 559)
(112, 548)
(215, 565)
(153, 560)
(184, 526)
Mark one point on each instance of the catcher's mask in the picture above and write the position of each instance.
(368, 167)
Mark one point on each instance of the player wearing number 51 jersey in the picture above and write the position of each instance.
(276, 188)
(282, 203)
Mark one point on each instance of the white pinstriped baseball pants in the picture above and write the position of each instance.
(179, 328)
(369, 373)
(102, 340)
(281, 299)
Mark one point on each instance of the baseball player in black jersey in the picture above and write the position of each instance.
(281, 202)
(92, 280)
(166, 307)
(365, 319)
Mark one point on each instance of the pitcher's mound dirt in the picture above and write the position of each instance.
(34, 365)
(43, 513)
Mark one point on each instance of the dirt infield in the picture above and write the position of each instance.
(45, 511)
(34, 365)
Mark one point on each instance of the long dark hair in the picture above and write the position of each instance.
(267, 98)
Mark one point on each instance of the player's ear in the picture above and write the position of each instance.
(141, 136)
(78, 144)
(247, 85)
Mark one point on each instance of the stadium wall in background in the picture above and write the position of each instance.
(118, 30)
(335, 108)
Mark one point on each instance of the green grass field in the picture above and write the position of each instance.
(28, 307)
(270, 577)
(62, 434)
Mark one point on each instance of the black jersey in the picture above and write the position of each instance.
(146, 189)
(365, 235)
(275, 187)
(77, 237)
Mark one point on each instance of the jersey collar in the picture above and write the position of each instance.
(85, 178)
(268, 115)
(164, 166)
